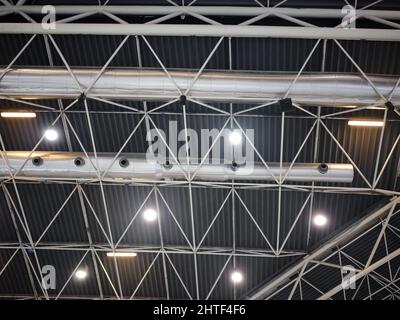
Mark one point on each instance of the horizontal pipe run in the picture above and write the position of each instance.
(77, 166)
(326, 89)
(202, 30)
(203, 10)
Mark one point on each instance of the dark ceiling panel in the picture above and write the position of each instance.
(241, 221)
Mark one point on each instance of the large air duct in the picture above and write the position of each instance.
(327, 89)
(77, 166)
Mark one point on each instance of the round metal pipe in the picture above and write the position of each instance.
(64, 165)
(201, 30)
(326, 89)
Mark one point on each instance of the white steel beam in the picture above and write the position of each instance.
(202, 10)
(200, 30)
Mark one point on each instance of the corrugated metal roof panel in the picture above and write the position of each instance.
(112, 125)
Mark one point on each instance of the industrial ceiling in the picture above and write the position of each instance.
(109, 72)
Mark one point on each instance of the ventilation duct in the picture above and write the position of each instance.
(72, 165)
(326, 89)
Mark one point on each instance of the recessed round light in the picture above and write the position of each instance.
(236, 277)
(320, 220)
(150, 215)
(81, 274)
(51, 134)
(235, 137)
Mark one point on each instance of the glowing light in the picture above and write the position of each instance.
(51, 134)
(150, 215)
(237, 277)
(81, 274)
(18, 115)
(320, 220)
(235, 137)
(362, 123)
(121, 254)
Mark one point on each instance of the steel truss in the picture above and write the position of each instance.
(289, 281)
(273, 249)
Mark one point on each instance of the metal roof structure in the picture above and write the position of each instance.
(205, 229)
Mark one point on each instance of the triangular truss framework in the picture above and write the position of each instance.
(91, 251)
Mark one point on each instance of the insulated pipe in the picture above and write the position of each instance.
(77, 166)
(328, 89)
(202, 30)
(203, 10)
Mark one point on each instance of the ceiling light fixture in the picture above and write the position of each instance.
(236, 277)
(150, 215)
(16, 114)
(235, 137)
(122, 254)
(81, 274)
(320, 220)
(365, 123)
(51, 134)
